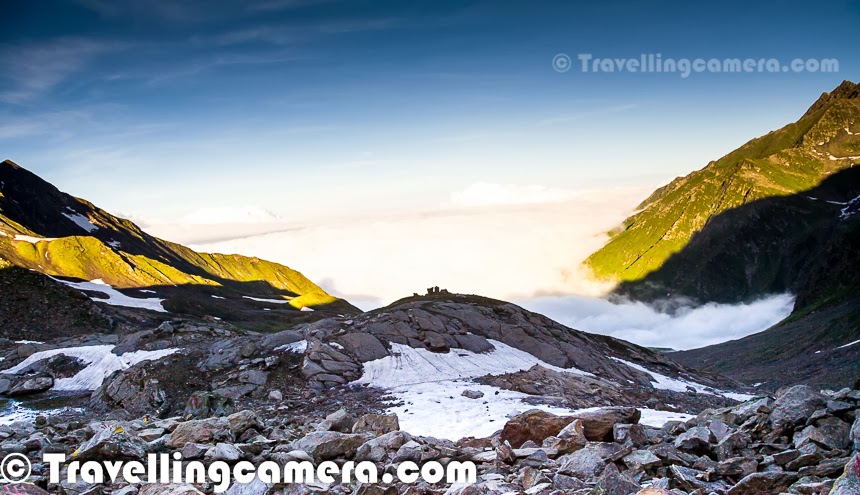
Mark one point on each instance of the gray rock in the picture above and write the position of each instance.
(117, 443)
(223, 452)
(598, 423)
(759, 483)
(326, 445)
(472, 394)
(849, 482)
(612, 482)
(831, 433)
(855, 433)
(380, 448)
(794, 405)
(200, 431)
(378, 424)
(695, 439)
(640, 460)
(587, 462)
(24, 385)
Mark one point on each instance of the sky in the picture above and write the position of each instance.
(381, 147)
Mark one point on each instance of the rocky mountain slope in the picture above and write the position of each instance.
(777, 215)
(718, 235)
(53, 233)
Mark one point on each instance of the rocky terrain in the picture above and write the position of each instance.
(796, 443)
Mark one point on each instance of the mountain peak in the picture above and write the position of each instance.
(846, 91)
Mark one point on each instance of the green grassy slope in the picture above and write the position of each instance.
(84, 242)
(785, 162)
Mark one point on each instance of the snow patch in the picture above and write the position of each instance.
(217, 297)
(428, 389)
(115, 297)
(33, 240)
(663, 382)
(101, 362)
(80, 220)
(848, 344)
(408, 366)
(114, 244)
(305, 308)
(258, 299)
(298, 347)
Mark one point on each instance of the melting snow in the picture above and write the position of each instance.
(115, 297)
(28, 342)
(305, 308)
(258, 299)
(115, 244)
(663, 382)
(101, 362)
(218, 297)
(297, 347)
(848, 344)
(851, 208)
(429, 387)
(80, 220)
(33, 240)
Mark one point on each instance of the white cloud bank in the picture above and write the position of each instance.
(510, 242)
(687, 328)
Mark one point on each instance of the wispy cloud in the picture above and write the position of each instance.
(30, 70)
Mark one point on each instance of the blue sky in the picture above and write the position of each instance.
(316, 109)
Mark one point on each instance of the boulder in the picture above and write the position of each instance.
(223, 452)
(380, 448)
(794, 405)
(640, 460)
(378, 424)
(612, 482)
(695, 439)
(599, 423)
(326, 445)
(831, 433)
(759, 483)
(28, 384)
(339, 420)
(243, 420)
(534, 425)
(585, 463)
(110, 444)
(200, 431)
(202, 405)
(849, 482)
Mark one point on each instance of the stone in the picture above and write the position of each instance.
(534, 425)
(794, 405)
(243, 420)
(409, 451)
(759, 483)
(612, 482)
(116, 443)
(849, 482)
(202, 405)
(341, 421)
(378, 424)
(585, 463)
(472, 394)
(276, 395)
(168, 489)
(327, 445)
(380, 448)
(855, 433)
(200, 431)
(633, 434)
(640, 460)
(736, 467)
(695, 439)
(223, 452)
(26, 385)
(599, 423)
(831, 433)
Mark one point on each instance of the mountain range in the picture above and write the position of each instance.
(50, 232)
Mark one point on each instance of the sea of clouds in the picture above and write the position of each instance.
(517, 243)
